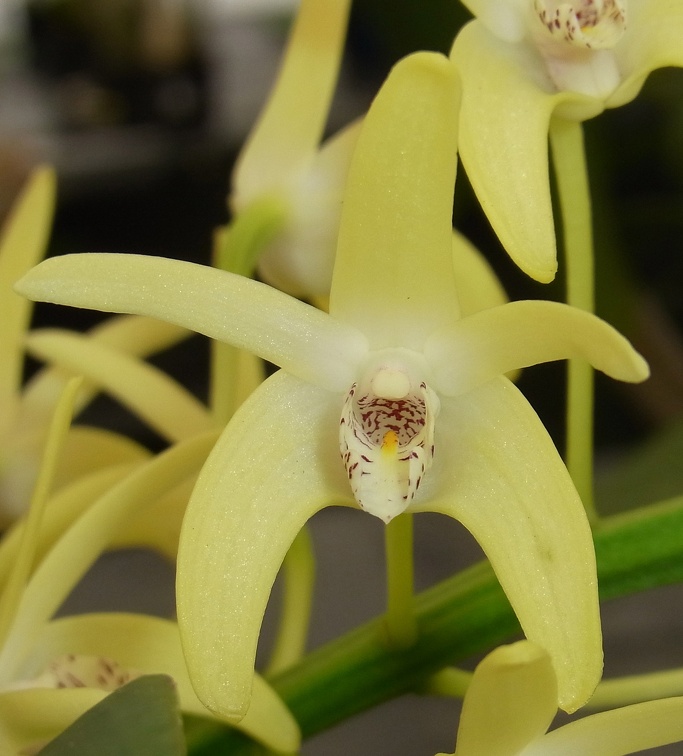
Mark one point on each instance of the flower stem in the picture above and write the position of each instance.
(237, 248)
(465, 615)
(569, 160)
(299, 577)
(400, 623)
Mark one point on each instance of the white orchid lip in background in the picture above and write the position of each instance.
(393, 326)
(512, 700)
(525, 62)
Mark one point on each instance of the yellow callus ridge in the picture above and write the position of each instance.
(390, 443)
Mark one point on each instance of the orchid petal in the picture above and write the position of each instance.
(240, 522)
(150, 645)
(34, 716)
(291, 125)
(87, 450)
(224, 306)
(78, 548)
(23, 243)
(158, 525)
(393, 277)
(506, 158)
(519, 334)
(133, 334)
(616, 733)
(497, 471)
(652, 40)
(510, 702)
(161, 402)
(478, 286)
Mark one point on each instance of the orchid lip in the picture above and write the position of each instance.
(386, 433)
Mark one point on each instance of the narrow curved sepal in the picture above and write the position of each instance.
(150, 393)
(510, 702)
(23, 243)
(29, 718)
(291, 125)
(497, 471)
(519, 334)
(289, 333)
(504, 121)
(393, 276)
(619, 732)
(275, 465)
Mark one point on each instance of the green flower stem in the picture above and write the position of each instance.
(450, 682)
(465, 615)
(237, 248)
(400, 623)
(622, 691)
(569, 160)
(299, 576)
(26, 553)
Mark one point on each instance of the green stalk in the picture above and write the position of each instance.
(298, 571)
(237, 248)
(400, 624)
(569, 161)
(465, 615)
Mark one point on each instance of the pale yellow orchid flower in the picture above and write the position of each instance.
(391, 380)
(52, 671)
(512, 700)
(525, 62)
(285, 184)
(25, 411)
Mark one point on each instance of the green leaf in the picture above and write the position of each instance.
(141, 717)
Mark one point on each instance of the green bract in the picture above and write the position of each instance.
(524, 63)
(367, 396)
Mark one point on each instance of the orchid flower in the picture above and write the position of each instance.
(286, 189)
(512, 700)
(25, 411)
(526, 62)
(390, 402)
(52, 671)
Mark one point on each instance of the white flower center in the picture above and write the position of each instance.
(386, 439)
(577, 40)
(588, 24)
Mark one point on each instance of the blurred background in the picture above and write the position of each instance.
(142, 105)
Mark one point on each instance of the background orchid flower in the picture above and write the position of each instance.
(512, 701)
(25, 411)
(52, 671)
(526, 62)
(393, 380)
(286, 189)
